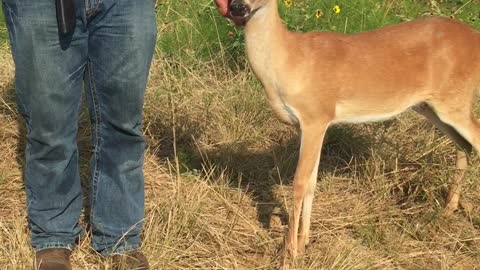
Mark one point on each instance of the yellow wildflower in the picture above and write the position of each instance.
(336, 9)
(288, 3)
(318, 13)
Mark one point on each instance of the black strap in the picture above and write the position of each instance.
(65, 16)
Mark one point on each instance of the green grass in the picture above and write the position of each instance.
(365, 15)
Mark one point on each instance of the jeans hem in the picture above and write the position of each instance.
(110, 251)
(54, 245)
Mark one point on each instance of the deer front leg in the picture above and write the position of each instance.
(304, 186)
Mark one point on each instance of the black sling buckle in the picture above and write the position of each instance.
(65, 16)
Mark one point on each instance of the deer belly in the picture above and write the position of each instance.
(361, 113)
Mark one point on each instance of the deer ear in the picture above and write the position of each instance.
(222, 7)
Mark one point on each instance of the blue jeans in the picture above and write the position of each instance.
(109, 55)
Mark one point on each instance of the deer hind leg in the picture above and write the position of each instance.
(454, 191)
(304, 186)
(450, 126)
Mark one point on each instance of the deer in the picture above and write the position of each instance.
(316, 79)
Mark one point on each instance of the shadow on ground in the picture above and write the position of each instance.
(256, 172)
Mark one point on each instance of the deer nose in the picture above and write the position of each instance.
(238, 9)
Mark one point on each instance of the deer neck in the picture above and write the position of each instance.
(266, 42)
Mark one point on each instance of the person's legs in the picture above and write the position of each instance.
(48, 77)
(121, 45)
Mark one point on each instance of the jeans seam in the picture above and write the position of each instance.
(9, 21)
(97, 144)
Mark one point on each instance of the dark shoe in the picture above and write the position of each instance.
(134, 260)
(53, 259)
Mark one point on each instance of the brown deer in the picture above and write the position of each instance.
(316, 79)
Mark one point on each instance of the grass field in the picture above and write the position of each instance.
(219, 164)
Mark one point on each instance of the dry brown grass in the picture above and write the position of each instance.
(218, 170)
